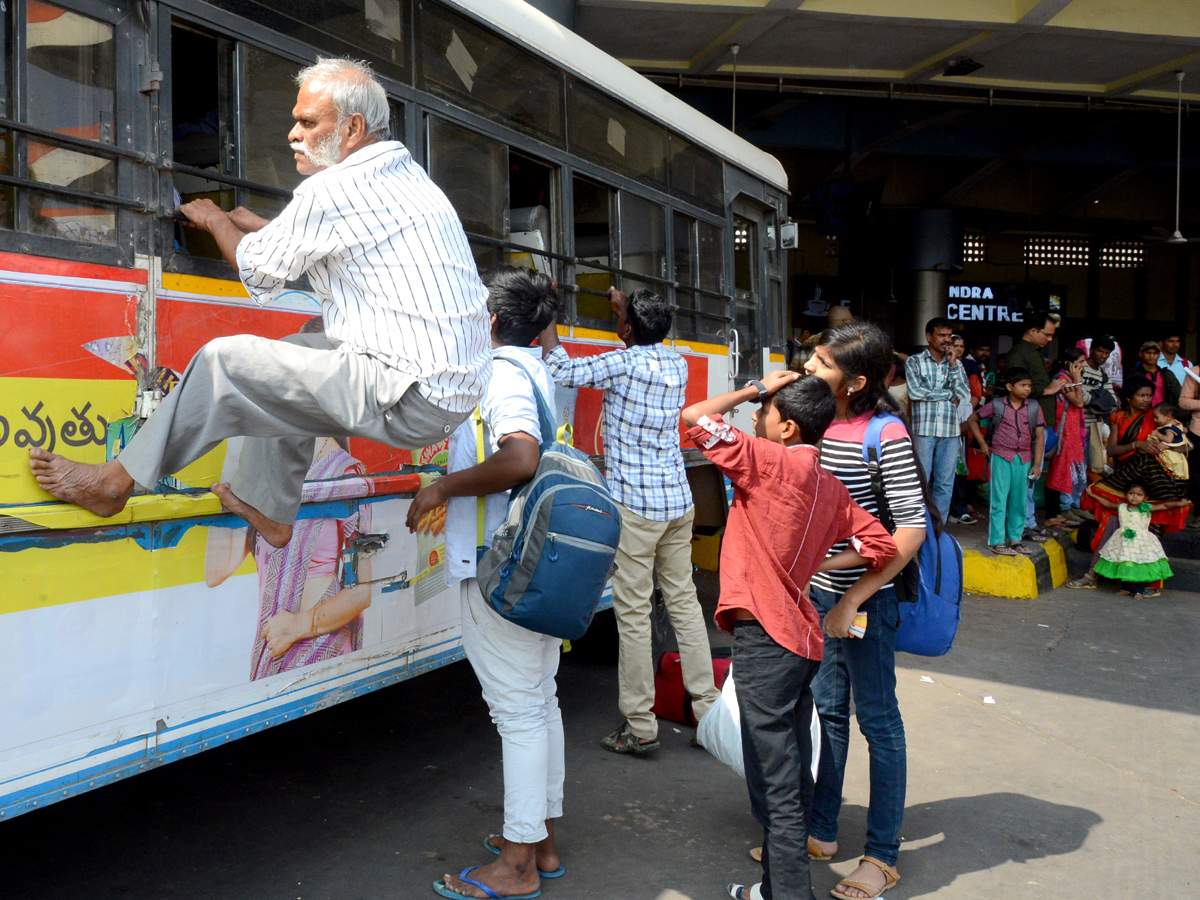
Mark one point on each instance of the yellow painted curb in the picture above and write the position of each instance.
(1000, 576)
(1058, 563)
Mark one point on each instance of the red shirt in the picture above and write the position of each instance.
(787, 512)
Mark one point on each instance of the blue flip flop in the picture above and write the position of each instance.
(439, 888)
(495, 851)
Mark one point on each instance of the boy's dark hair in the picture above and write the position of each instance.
(1104, 343)
(523, 301)
(937, 322)
(1015, 374)
(649, 316)
(1137, 484)
(808, 401)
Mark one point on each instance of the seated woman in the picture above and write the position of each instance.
(1135, 459)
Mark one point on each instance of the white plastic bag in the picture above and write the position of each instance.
(720, 731)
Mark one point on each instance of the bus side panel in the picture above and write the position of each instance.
(125, 648)
(587, 423)
(66, 331)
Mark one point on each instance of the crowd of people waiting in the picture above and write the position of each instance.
(1093, 429)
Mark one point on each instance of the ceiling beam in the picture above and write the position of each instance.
(1043, 12)
(1085, 200)
(748, 30)
(907, 131)
(990, 168)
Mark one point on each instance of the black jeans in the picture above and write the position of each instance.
(774, 692)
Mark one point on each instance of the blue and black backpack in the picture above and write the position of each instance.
(930, 586)
(551, 559)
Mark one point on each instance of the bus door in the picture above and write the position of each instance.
(757, 291)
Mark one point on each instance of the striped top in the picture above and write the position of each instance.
(388, 258)
(842, 454)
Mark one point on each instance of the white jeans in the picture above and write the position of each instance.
(516, 669)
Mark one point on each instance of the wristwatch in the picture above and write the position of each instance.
(762, 389)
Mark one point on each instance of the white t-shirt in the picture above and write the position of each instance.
(508, 406)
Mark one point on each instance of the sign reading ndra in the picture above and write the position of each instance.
(979, 312)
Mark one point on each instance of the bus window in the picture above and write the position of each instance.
(72, 58)
(202, 134)
(531, 212)
(711, 311)
(643, 242)
(614, 136)
(683, 232)
(695, 174)
(463, 62)
(472, 170)
(745, 282)
(592, 224)
(270, 95)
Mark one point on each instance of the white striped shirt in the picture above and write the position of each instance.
(842, 454)
(387, 256)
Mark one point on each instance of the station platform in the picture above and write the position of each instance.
(1017, 577)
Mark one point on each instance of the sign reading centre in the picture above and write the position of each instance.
(981, 303)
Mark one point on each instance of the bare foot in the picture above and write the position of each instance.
(504, 880)
(102, 488)
(545, 852)
(277, 534)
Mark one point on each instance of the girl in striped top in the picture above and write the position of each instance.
(854, 360)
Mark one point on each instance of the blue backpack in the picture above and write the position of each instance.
(930, 586)
(551, 559)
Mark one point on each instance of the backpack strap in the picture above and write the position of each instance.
(872, 451)
(545, 424)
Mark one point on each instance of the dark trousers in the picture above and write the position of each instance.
(958, 499)
(774, 692)
(1194, 473)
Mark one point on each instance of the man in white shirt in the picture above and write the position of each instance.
(404, 355)
(516, 667)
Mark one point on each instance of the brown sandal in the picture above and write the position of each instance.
(814, 852)
(890, 875)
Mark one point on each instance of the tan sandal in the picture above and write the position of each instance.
(891, 876)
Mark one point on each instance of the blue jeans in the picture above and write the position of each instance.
(866, 666)
(939, 459)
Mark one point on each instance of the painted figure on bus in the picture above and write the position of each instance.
(404, 355)
(306, 614)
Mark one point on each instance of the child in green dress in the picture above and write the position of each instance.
(1132, 554)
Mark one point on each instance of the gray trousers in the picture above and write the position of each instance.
(281, 395)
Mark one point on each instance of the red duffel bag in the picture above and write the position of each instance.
(671, 701)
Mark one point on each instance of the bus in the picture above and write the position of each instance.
(130, 642)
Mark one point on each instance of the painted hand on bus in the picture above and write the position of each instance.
(428, 499)
(283, 629)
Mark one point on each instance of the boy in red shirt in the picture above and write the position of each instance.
(787, 512)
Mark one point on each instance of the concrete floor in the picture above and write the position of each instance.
(1080, 781)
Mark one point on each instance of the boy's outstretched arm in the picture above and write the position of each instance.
(723, 403)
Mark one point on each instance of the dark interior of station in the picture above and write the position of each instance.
(1027, 150)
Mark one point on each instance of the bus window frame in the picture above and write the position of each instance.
(122, 150)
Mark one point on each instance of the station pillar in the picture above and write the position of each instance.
(931, 249)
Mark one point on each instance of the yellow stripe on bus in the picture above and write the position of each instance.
(196, 284)
(40, 577)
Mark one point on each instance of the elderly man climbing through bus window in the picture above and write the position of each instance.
(405, 352)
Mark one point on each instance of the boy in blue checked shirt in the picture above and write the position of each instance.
(643, 397)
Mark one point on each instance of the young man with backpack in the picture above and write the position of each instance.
(1099, 401)
(516, 667)
(643, 396)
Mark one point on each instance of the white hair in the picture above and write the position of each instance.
(353, 88)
